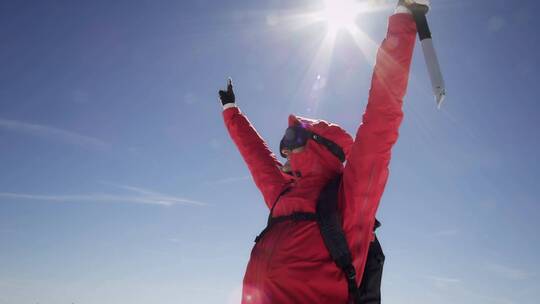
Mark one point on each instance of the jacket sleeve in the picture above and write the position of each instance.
(366, 171)
(262, 163)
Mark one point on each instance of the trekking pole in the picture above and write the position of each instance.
(434, 70)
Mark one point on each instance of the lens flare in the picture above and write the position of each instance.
(340, 14)
(337, 16)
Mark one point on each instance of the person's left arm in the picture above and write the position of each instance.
(261, 162)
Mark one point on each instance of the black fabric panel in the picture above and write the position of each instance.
(370, 287)
(421, 25)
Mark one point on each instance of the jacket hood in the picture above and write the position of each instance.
(326, 129)
(317, 159)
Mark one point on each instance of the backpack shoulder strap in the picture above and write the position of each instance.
(269, 221)
(333, 236)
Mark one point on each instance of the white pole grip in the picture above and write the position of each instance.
(434, 70)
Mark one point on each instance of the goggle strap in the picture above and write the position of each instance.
(330, 145)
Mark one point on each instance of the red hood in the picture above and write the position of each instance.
(317, 160)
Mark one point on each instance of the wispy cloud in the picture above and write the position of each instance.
(156, 196)
(459, 289)
(54, 133)
(144, 197)
(139, 190)
(442, 279)
(229, 180)
(174, 240)
(507, 272)
(446, 232)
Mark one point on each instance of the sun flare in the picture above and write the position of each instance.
(340, 14)
(336, 16)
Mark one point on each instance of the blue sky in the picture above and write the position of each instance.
(119, 183)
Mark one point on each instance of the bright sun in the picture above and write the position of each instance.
(341, 14)
(336, 15)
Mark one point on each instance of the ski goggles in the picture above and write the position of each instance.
(297, 136)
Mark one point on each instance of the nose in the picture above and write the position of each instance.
(286, 152)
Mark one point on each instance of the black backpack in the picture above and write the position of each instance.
(329, 221)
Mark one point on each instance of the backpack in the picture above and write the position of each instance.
(329, 222)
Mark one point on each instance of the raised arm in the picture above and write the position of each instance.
(366, 172)
(262, 163)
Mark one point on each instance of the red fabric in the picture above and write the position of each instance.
(328, 130)
(290, 264)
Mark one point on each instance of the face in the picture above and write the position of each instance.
(294, 141)
(287, 166)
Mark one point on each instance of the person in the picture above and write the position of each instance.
(290, 262)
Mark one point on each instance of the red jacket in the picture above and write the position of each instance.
(291, 264)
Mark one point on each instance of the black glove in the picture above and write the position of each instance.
(227, 96)
(416, 6)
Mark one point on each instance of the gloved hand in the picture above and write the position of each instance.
(421, 6)
(227, 96)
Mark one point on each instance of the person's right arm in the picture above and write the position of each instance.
(366, 172)
(261, 162)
